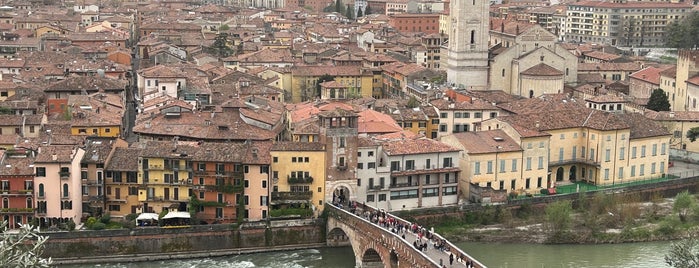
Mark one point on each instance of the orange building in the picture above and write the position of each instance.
(424, 23)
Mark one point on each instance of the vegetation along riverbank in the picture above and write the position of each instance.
(599, 218)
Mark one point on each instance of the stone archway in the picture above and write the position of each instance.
(573, 173)
(559, 174)
(341, 194)
(371, 258)
(393, 262)
(337, 238)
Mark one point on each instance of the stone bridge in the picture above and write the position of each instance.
(377, 246)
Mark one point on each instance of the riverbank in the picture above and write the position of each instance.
(144, 257)
(597, 220)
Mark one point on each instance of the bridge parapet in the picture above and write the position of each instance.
(380, 242)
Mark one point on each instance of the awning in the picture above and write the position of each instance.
(147, 216)
(177, 215)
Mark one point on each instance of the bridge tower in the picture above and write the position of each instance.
(338, 131)
(467, 48)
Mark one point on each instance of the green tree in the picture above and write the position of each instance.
(359, 13)
(367, 11)
(321, 79)
(413, 102)
(224, 27)
(338, 6)
(684, 34)
(658, 101)
(684, 202)
(693, 133)
(23, 249)
(558, 216)
(221, 46)
(684, 253)
(350, 12)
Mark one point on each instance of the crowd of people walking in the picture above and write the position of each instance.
(424, 239)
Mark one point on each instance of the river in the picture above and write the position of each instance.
(636, 255)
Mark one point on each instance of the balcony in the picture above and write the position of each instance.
(405, 184)
(304, 180)
(64, 175)
(342, 167)
(16, 192)
(289, 196)
(17, 210)
(225, 188)
(218, 173)
(578, 160)
(374, 188)
(429, 170)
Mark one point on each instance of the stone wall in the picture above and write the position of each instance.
(161, 243)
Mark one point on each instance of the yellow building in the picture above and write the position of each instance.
(422, 120)
(164, 175)
(599, 147)
(298, 176)
(122, 182)
(496, 160)
(304, 80)
(678, 123)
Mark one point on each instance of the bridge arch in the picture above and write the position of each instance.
(372, 258)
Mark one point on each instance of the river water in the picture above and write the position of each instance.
(635, 255)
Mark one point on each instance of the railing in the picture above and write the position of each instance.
(218, 173)
(64, 174)
(360, 208)
(374, 187)
(17, 210)
(16, 192)
(292, 195)
(294, 180)
(405, 184)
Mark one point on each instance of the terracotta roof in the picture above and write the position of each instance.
(476, 104)
(606, 98)
(374, 122)
(298, 146)
(12, 166)
(491, 141)
(542, 69)
(694, 80)
(123, 159)
(420, 146)
(602, 55)
(643, 127)
(650, 74)
(63, 154)
(610, 66)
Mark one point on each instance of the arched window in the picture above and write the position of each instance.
(503, 72)
(41, 190)
(473, 36)
(694, 103)
(30, 202)
(5, 203)
(567, 71)
(531, 94)
(65, 190)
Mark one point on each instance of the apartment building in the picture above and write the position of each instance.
(623, 23)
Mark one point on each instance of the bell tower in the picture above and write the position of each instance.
(467, 48)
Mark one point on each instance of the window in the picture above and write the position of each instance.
(652, 168)
(41, 172)
(529, 163)
(633, 171)
(446, 162)
(606, 174)
(275, 159)
(663, 148)
(451, 190)
(395, 166)
(409, 164)
(621, 173)
(643, 151)
(541, 162)
(633, 152)
(502, 166)
(382, 197)
(538, 182)
(342, 142)
(477, 168)
(642, 170)
(607, 153)
(360, 165)
(370, 198)
(622, 152)
(65, 190)
(654, 150)
(371, 165)
(441, 115)
(443, 128)
(490, 167)
(477, 115)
